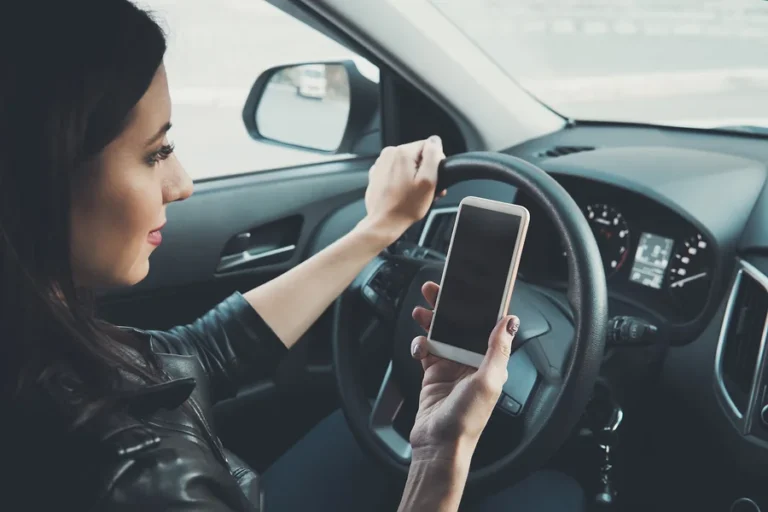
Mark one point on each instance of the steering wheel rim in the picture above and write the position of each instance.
(554, 416)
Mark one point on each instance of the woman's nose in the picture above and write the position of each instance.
(180, 185)
(187, 186)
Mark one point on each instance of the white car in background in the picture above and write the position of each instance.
(312, 81)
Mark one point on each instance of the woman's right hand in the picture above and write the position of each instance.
(401, 185)
(456, 400)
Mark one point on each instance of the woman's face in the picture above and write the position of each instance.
(119, 208)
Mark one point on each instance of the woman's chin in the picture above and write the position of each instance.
(133, 276)
(138, 273)
(112, 279)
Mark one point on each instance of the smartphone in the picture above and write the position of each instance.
(478, 278)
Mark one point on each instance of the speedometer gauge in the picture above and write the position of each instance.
(612, 234)
(690, 272)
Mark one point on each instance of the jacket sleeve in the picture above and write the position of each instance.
(234, 344)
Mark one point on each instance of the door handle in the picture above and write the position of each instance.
(267, 244)
(255, 257)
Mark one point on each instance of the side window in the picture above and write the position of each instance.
(226, 122)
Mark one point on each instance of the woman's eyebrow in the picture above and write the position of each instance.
(163, 130)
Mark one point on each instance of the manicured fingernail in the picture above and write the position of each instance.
(513, 325)
(435, 140)
(414, 348)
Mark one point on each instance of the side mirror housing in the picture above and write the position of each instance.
(325, 107)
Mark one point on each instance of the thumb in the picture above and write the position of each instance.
(431, 156)
(500, 347)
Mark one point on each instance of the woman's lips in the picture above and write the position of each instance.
(155, 237)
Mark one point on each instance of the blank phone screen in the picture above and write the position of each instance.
(475, 278)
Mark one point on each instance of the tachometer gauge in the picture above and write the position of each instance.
(690, 272)
(612, 234)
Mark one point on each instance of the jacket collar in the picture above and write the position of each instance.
(169, 394)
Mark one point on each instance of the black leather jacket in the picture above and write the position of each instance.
(171, 459)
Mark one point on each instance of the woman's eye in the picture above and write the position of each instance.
(161, 154)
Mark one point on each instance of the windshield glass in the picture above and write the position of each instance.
(691, 63)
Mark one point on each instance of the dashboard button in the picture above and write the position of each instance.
(510, 405)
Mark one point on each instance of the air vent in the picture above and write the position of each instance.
(742, 336)
(562, 151)
(438, 228)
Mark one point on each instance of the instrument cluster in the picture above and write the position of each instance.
(650, 253)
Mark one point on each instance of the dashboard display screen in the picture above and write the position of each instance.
(651, 260)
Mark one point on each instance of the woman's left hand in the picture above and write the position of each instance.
(456, 400)
(401, 184)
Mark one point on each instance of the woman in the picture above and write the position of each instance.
(104, 418)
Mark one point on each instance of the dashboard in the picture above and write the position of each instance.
(669, 219)
(667, 222)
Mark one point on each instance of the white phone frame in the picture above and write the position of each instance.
(461, 355)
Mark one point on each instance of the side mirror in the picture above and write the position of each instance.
(327, 107)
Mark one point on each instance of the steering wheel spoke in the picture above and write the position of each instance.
(540, 403)
(388, 403)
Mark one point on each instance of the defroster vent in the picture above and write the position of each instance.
(557, 151)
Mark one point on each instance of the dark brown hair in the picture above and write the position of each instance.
(72, 73)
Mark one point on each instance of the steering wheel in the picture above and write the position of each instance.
(550, 378)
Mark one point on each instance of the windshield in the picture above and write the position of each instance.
(691, 63)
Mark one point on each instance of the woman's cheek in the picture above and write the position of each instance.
(135, 210)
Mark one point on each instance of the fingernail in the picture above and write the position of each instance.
(435, 139)
(414, 348)
(513, 325)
